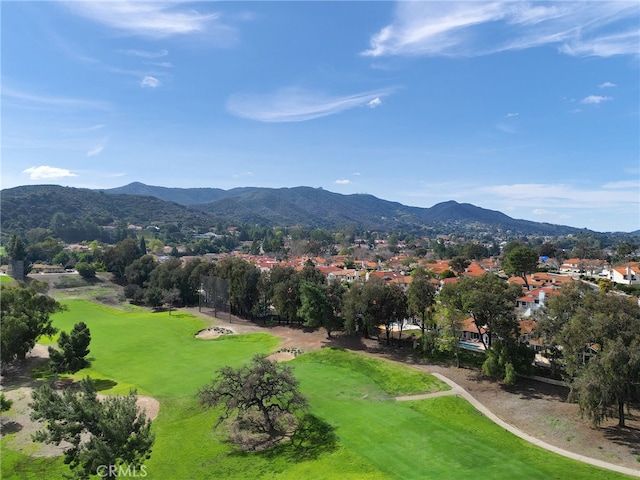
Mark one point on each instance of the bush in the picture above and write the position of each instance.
(86, 270)
(510, 375)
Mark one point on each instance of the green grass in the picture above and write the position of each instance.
(6, 279)
(378, 438)
(393, 379)
(442, 437)
(16, 465)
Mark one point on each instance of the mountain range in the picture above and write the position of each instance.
(34, 206)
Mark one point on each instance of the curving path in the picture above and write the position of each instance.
(458, 390)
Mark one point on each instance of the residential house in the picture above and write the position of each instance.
(628, 274)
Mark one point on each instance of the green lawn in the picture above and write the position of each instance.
(378, 438)
(6, 279)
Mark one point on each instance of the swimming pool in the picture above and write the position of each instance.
(471, 346)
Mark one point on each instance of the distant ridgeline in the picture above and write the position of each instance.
(54, 207)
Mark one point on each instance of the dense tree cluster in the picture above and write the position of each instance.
(596, 336)
(26, 316)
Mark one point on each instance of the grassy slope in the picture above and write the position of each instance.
(436, 438)
(379, 438)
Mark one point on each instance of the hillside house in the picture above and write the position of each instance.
(628, 274)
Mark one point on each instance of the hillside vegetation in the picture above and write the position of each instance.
(29, 207)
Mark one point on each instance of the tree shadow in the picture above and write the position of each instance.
(10, 427)
(628, 437)
(532, 389)
(103, 384)
(312, 438)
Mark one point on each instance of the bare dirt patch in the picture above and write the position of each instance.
(18, 386)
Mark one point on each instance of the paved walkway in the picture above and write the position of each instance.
(459, 391)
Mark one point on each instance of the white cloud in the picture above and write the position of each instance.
(562, 196)
(506, 128)
(509, 115)
(297, 104)
(342, 181)
(149, 81)
(161, 64)
(542, 212)
(95, 151)
(53, 101)
(595, 99)
(46, 172)
(375, 102)
(245, 174)
(146, 53)
(481, 28)
(144, 18)
(625, 184)
(607, 85)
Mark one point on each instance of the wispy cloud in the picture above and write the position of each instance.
(624, 184)
(563, 196)
(144, 18)
(146, 53)
(607, 85)
(160, 64)
(297, 104)
(45, 172)
(595, 99)
(342, 181)
(244, 174)
(95, 151)
(150, 82)
(91, 128)
(53, 101)
(509, 115)
(482, 28)
(376, 102)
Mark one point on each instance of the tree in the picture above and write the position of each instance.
(610, 379)
(110, 432)
(86, 270)
(552, 318)
(244, 279)
(459, 265)
(421, 296)
(375, 303)
(171, 297)
(74, 348)
(285, 293)
(490, 301)
(5, 403)
(25, 318)
(117, 258)
(17, 252)
(521, 261)
(316, 308)
(263, 397)
(139, 271)
(450, 321)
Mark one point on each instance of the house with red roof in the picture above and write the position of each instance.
(628, 274)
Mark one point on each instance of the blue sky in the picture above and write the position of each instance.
(529, 108)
